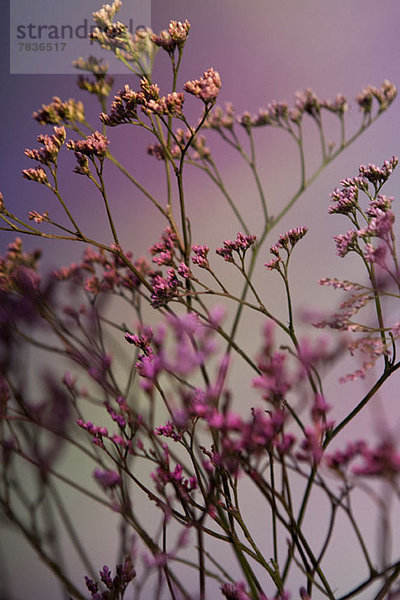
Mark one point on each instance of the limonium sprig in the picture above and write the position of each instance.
(150, 343)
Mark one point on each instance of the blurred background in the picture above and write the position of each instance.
(264, 50)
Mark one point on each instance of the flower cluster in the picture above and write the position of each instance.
(57, 112)
(206, 88)
(164, 251)
(164, 289)
(37, 174)
(384, 96)
(16, 264)
(173, 37)
(126, 103)
(240, 246)
(100, 84)
(221, 118)
(280, 115)
(114, 586)
(138, 49)
(287, 242)
(98, 272)
(51, 147)
(378, 216)
(95, 145)
(382, 461)
(200, 256)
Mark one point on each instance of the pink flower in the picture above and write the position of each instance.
(206, 88)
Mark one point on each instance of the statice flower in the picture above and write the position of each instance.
(174, 37)
(168, 430)
(384, 96)
(378, 176)
(206, 88)
(36, 174)
(107, 479)
(115, 586)
(95, 145)
(164, 251)
(200, 256)
(68, 112)
(221, 118)
(38, 217)
(338, 106)
(138, 49)
(307, 101)
(346, 242)
(51, 147)
(383, 461)
(290, 238)
(240, 245)
(164, 289)
(287, 242)
(344, 201)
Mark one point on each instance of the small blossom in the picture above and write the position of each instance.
(37, 217)
(206, 88)
(289, 239)
(345, 243)
(164, 251)
(164, 290)
(306, 101)
(219, 118)
(378, 176)
(340, 285)
(273, 263)
(344, 201)
(51, 147)
(123, 108)
(176, 36)
(338, 106)
(200, 257)
(184, 271)
(37, 174)
(384, 95)
(95, 145)
(383, 461)
(58, 112)
(168, 430)
(240, 245)
(107, 479)
(100, 87)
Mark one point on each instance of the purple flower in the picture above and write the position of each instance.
(164, 290)
(200, 257)
(107, 479)
(240, 245)
(345, 242)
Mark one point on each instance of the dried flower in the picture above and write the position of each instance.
(175, 37)
(51, 147)
(384, 95)
(95, 145)
(200, 256)
(68, 112)
(37, 174)
(206, 88)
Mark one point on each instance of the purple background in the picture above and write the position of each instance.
(264, 50)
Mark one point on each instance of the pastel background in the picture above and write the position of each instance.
(264, 50)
